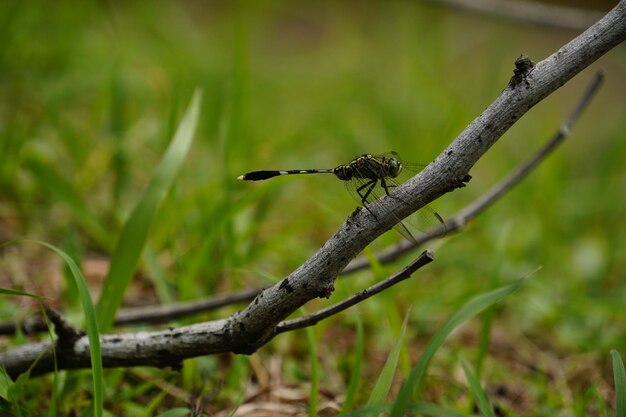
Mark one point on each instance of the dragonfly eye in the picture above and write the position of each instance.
(394, 167)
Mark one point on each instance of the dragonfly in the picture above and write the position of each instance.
(366, 177)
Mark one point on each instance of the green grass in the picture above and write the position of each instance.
(620, 384)
(77, 280)
(93, 332)
(93, 95)
(385, 379)
(413, 385)
(479, 394)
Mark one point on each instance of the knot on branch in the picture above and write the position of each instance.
(523, 67)
(460, 183)
(463, 182)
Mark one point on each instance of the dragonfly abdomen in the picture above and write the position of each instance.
(264, 175)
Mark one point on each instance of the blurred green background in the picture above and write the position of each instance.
(91, 94)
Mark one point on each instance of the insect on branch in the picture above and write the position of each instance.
(169, 312)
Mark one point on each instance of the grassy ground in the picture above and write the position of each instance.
(92, 93)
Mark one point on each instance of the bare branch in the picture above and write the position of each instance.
(164, 313)
(250, 328)
(150, 314)
(544, 14)
(425, 258)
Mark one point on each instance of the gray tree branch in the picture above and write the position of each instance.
(250, 328)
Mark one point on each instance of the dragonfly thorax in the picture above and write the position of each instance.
(344, 172)
(369, 167)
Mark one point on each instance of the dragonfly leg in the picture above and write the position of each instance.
(383, 184)
(386, 187)
(370, 186)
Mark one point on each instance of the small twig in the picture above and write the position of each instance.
(459, 220)
(531, 11)
(425, 258)
(150, 314)
(164, 313)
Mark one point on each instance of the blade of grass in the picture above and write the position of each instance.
(383, 384)
(17, 394)
(93, 333)
(468, 310)
(10, 394)
(619, 376)
(135, 231)
(8, 291)
(5, 383)
(315, 379)
(357, 367)
(479, 394)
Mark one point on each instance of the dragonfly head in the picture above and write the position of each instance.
(394, 166)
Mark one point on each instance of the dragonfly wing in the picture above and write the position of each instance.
(368, 191)
(426, 218)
